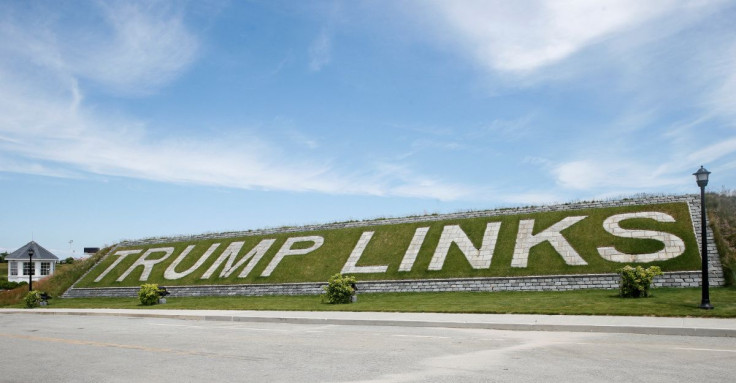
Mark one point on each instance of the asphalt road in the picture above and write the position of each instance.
(40, 348)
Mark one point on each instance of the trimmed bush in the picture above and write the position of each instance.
(339, 289)
(5, 285)
(635, 281)
(32, 299)
(149, 294)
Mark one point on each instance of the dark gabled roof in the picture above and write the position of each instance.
(39, 253)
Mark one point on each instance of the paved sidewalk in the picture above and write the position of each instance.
(574, 323)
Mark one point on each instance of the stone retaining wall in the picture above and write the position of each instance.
(541, 283)
(530, 283)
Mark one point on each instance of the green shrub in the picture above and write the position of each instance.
(32, 299)
(722, 215)
(6, 285)
(635, 281)
(339, 289)
(149, 294)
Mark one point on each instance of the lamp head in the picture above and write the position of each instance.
(701, 176)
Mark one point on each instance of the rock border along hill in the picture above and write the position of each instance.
(517, 283)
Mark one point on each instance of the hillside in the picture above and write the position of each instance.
(567, 242)
(722, 216)
(585, 238)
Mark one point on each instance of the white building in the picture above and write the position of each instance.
(42, 264)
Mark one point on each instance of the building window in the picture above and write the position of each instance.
(27, 268)
(45, 268)
(13, 268)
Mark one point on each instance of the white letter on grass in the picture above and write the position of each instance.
(411, 253)
(171, 273)
(351, 266)
(286, 250)
(478, 259)
(525, 240)
(147, 264)
(232, 252)
(122, 254)
(673, 245)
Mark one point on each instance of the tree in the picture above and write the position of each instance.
(3, 255)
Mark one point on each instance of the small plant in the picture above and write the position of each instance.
(5, 285)
(339, 289)
(32, 299)
(149, 294)
(635, 281)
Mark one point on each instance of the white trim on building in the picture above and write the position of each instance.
(42, 264)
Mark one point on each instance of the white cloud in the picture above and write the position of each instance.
(320, 51)
(15, 166)
(622, 175)
(423, 144)
(303, 139)
(524, 36)
(507, 129)
(47, 128)
(139, 47)
(531, 198)
(714, 152)
(146, 47)
(722, 73)
(100, 145)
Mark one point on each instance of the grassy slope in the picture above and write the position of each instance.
(390, 242)
(722, 216)
(4, 271)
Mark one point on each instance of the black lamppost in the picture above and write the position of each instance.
(30, 269)
(702, 177)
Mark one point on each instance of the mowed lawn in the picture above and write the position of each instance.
(663, 302)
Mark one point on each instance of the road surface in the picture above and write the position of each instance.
(45, 348)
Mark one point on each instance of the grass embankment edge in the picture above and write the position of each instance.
(664, 302)
(254, 260)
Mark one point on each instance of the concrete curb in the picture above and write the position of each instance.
(708, 327)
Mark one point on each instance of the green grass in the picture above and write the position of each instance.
(663, 302)
(722, 215)
(389, 243)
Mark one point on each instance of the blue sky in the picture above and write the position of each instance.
(123, 120)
